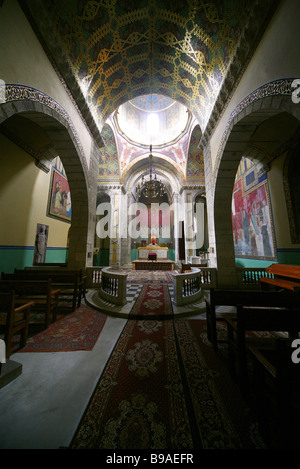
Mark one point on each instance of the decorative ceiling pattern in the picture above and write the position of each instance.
(108, 160)
(119, 50)
(195, 160)
(129, 153)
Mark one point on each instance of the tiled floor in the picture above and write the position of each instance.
(42, 408)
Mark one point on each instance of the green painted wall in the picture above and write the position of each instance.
(252, 263)
(101, 259)
(134, 255)
(285, 256)
(19, 257)
(289, 256)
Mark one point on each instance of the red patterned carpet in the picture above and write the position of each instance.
(148, 276)
(154, 301)
(139, 401)
(76, 331)
(164, 388)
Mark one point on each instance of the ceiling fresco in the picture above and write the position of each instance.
(157, 124)
(195, 160)
(174, 152)
(108, 159)
(110, 52)
(121, 49)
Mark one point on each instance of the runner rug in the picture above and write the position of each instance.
(148, 276)
(138, 402)
(223, 419)
(76, 331)
(161, 389)
(155, 301)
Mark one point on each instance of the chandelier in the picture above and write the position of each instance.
(153, 187)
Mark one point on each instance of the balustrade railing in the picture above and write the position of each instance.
(208, 277)
(93, 277)
(248, 277)
(187, 287)
(111, 285)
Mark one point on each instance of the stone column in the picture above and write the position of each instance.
(188, 222)
(209, 187)
(116, 214)
(176, 227)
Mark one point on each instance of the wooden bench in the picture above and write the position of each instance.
(70, 283)
(14, 320)
(41, 292)
(252, 319)
(222, 304)
(275, 388)
(285, 276)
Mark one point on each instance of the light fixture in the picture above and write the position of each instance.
(150, 188)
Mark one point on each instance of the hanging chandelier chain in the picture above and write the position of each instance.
(153, 187)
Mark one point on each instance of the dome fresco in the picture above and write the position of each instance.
(133, 119)
(152, 103)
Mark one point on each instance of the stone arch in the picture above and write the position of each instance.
(50, 116)
(291, 190)
(265, 102)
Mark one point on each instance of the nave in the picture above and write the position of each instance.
(63, 385)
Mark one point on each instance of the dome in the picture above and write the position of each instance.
(152, 119)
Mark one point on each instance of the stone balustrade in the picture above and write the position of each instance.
(188, 287)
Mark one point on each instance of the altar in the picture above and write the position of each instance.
(153, 257)
(161, 252)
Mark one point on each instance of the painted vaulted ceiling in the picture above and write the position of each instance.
(112, 51)
(120, 49)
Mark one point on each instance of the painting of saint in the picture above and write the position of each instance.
(59, 205)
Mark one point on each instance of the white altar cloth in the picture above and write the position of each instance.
(161, 252)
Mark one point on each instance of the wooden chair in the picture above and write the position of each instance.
(222, 304)
(41, 293)
(276, 390)
(16, 320)
(252, 320)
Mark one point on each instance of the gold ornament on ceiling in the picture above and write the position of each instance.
(118, 50)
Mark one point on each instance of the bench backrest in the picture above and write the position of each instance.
(49, 271)
(220, 297)
(26, 287)
(61, 277)
(284, 270)
(269, 319)
(7, 300)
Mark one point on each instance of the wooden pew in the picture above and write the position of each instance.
(14, 320)
(222, 304)
(285, 276)
(41, 292)
(275, 385)
(256, 319)
(71, 283)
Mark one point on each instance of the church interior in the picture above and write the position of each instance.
(149, 156)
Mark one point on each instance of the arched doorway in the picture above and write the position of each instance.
(43, 112)
(235, 144)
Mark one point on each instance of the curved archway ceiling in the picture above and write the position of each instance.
(118, 50)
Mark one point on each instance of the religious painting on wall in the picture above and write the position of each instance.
(40, 244)
(59, 203)
(252, 222)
